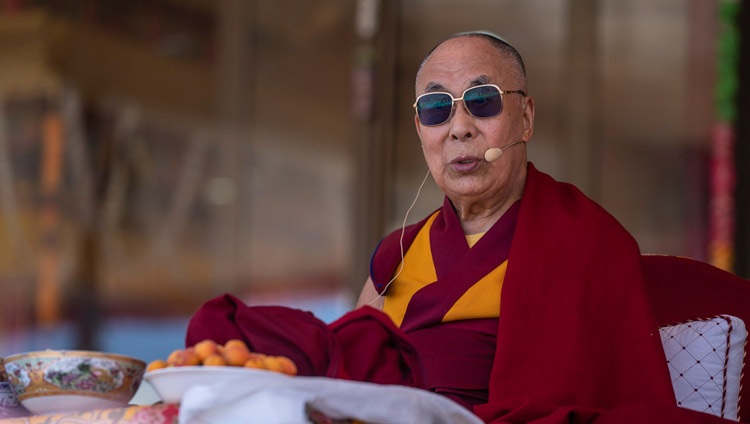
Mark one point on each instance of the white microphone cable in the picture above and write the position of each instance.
(401, 240)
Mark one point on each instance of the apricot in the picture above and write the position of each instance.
(280, 364)
(236, 342)
(156, 365)
(256, 361)
(236, 355)
(273, 363)
(206, 348)
(172, 358)
(183, 358)
(286, 365)
(214, 360)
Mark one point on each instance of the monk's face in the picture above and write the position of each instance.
(455, 150)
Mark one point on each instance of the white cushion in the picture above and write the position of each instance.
(705, 359)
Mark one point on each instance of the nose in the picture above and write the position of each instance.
(462, 126)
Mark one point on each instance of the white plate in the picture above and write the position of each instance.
(171, 383)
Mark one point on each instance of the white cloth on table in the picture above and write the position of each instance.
(274, 398)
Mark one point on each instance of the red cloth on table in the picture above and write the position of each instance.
(577, 341)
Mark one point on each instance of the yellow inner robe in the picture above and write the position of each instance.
(482, 300)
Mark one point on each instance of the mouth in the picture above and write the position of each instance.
(465, 163)
(464, 160)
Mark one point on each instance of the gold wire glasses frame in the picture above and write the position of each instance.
(454, 100)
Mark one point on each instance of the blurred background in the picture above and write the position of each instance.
(156, 154)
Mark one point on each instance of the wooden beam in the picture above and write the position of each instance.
(104, 65)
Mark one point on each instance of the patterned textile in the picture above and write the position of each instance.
(705, 360)
(153, 414)
(683, 289)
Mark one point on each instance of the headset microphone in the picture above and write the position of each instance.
(494, 153)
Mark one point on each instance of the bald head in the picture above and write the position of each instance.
(505, 50)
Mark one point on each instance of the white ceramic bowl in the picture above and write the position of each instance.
(54, 381)
(171, 383)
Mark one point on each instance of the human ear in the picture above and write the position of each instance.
(528, 118)
(419, 128)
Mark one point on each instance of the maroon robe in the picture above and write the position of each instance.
(576, 338)
(456, 356)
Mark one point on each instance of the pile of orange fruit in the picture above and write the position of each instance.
(234, 353)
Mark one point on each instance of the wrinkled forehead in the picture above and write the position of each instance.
(460, 63)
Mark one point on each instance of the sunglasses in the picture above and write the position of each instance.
(482, 101)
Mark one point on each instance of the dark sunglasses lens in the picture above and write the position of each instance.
(483, 102)
(434, 109)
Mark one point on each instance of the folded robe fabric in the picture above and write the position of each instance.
(577, 341)
(364, 345)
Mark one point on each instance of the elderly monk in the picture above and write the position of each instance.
(519, 298)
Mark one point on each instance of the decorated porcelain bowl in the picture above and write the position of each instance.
(53, 381)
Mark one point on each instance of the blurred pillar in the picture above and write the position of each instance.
(84, 303)
(97, 153)
(20, 250)
(49, 281)
(701, 77)
(703, 26)
(234, 83)
(742, 153)
(581, 93)
(722, 172)
(374, 94)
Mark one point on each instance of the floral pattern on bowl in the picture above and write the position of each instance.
(19, 378)
(98, 375)
(86, 374)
